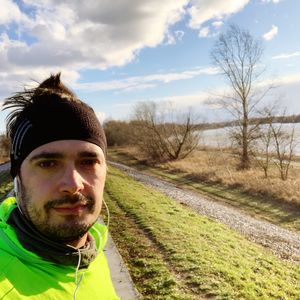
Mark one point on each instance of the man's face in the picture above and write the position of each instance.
(61, 188)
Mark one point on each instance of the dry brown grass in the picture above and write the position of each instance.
(220, 166)
(213, 165)
(132, 152)
(3, 159)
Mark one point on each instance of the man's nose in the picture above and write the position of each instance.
(72, 181)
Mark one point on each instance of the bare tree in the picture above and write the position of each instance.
(285, 143)
(265, 139)
(118, 133)
(163, 133)
(263, 148)
(238, 54)
(277, 142)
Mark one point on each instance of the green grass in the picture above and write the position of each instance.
(280, 213)
(174, 253)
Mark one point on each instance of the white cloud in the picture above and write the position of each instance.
(286, 55)
(148, 81)
(18, 78)
(274, 1)
(101, 116)
(202, 101)
(204, 32)
(171, 40)
(288, 79)
(202, 11)
(218, 24)
(73, 35)
(182, 101)
(271, 34)
(179, 34)
(186, 100)
(96, 34)
(282, 82)
(9, 12)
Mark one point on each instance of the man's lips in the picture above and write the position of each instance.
(70, 209)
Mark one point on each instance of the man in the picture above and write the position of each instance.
(51, 245)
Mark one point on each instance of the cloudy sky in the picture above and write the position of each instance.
(116, 53)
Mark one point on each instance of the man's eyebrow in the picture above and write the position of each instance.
(46, 155)
(90, 154)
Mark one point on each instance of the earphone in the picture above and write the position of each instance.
(16, 187)
(16, 192)
(108, 213)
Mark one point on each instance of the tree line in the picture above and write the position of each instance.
(252, 121)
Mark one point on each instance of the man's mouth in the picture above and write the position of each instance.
(71, 205)
(71, 208)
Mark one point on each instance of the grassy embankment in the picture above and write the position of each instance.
(214, 173)
(174, 253)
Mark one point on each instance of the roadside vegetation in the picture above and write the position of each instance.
(6, 184)
(4, 148)
(214, 172)
(174, 253)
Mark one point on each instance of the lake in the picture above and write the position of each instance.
(220, 137)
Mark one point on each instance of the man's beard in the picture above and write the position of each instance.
(73, 228)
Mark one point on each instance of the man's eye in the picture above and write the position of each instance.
(47, 164)
(89, 162)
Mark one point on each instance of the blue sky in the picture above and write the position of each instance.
(114, 54)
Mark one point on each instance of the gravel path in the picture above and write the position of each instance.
(4, 166)
(282, 242)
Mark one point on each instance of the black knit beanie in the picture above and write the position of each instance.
(49, 119)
